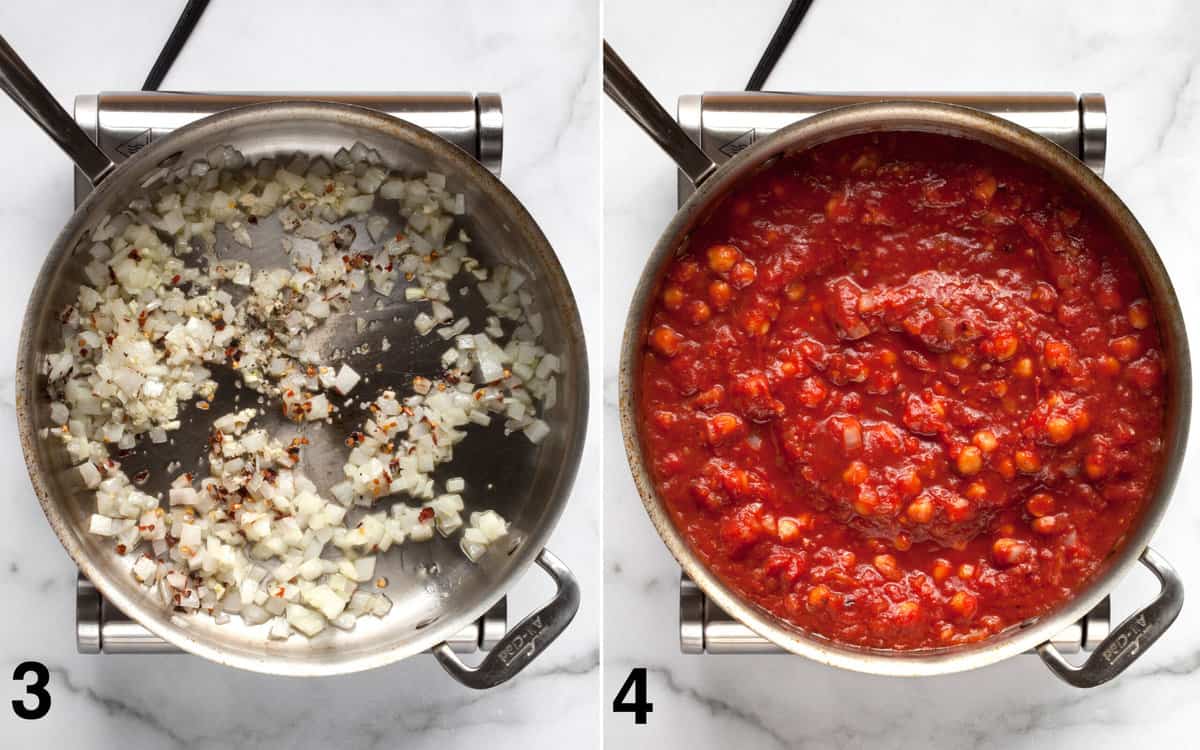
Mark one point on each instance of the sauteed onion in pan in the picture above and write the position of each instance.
(164, 304)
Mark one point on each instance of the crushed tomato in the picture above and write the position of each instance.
(903, 391)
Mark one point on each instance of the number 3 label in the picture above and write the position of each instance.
(36, 702)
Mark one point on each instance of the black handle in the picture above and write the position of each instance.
(19, 82)
(624, 88)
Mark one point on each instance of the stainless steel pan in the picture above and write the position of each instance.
(1126, 641)
(435, 589)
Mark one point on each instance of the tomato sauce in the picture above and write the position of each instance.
(903, 391)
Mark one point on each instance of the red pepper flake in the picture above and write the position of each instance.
(425, 515)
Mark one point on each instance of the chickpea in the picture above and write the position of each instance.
(902, 542)
(721, 258)
(906, 613)
(887, 567)
(964, 604)
(789, 530)
(920, 510)
(710, 397)
(966, 571)
(1027, 461)
(795, 291)
(867, 161)
(960, 361)
(867, 502)
(1139, 314)
(976, 491)
(1060, 430)
(665, 340)
(1108, 365)
(1008, 552)
(665, 419)
(1095, 465)
(958, 509)
(1125, 348)
(723, 426)
(672, 297)
(699, 312)
(1003, 346)
(855, 474)
(1023, 368)
(743, 274)
(720, 294)
(1040, 504)
(1058, 355)
(985, 440)
(1044, 297)
(1047, 525)
(817, 596)
(969, 461)
(941, 569)
(985, 188)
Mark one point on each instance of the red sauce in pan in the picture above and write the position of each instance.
(903, 391)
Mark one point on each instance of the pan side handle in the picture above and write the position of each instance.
(526, 641)
(1128, 640)
(19, 82)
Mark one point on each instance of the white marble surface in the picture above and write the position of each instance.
(542, 58)
(1143, 56)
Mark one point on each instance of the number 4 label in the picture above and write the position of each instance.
(639, 706)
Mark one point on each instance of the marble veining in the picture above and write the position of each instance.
(551, 135)
(1144, 60)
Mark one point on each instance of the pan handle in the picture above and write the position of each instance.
(19, 82)
(526, 641)
(628, 93)
(1128, 640)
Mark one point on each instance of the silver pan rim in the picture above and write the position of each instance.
(140, 165)
(953, 120)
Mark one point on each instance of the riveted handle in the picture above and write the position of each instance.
(523, 643)
(624, 88)
(1128, 640)
(19, 82)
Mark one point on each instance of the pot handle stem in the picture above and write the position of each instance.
(19, 82)
(628, 93)
(1128, 640)
(525, 642)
